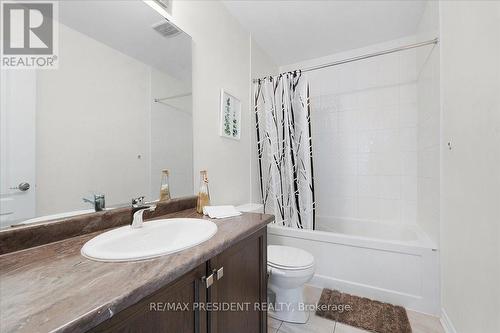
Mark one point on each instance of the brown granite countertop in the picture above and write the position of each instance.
(53, 288)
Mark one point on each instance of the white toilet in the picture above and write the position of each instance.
(289, 269)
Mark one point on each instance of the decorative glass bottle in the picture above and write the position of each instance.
(165, 186)
(203, 194)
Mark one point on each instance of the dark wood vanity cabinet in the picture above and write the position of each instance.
(243, 284)
(229, 291)
(151, 313)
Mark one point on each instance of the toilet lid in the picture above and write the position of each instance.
(288, 257)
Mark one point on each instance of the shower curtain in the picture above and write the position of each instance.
(284, 148)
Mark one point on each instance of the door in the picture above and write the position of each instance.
(165, 311)
(17, 145)
(240, 277)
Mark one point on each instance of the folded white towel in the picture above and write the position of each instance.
(220, 212)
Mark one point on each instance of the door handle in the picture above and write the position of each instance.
(219, 273)
(21, 187)
(208, 280)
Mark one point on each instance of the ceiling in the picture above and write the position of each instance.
(127, 27)
(293, 31)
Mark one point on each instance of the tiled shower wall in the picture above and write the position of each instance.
(428, 139)
(364, 117)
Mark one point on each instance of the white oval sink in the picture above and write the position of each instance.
(153, 239)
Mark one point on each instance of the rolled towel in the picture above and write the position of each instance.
(220, 212)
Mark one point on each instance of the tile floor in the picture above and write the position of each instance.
(420, 323)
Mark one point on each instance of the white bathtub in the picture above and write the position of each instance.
(387, 262)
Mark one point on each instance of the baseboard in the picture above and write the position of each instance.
(446, 323)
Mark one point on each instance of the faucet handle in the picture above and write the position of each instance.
(98, 200)
(138, 202)
(137, 218)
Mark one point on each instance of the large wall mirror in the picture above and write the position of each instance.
(108, 120)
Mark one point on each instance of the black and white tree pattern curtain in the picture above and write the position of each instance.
(283, 119)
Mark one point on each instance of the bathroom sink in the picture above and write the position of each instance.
(153, 239)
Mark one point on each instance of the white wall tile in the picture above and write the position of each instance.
(348, 101)
(387, 140)
(369, 186)
(388, 96)
(345, 164)
(408, 93)
(339, 206)
(390, 210)
(387, 117)
(409, 164)
(408, 115)
(409, 212)
(367, 141)
(367, 164)
(409, 188)
(368, 98)
(345, 142)
(365, 135)
(388, 163)
(344, 186)
(390, 187)
(408, 139)
(347, 121)
(428, 166)
(367, 118)
(368, 208)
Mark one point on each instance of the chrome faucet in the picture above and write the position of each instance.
(138, 208)
(98, 202)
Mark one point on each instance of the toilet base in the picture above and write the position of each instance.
(289, 305)
(280, 316)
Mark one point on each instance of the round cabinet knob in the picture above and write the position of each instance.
(21, 187)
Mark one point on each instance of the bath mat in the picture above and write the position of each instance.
(362, 312)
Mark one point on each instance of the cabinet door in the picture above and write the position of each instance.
(243, 282)
(149, 315)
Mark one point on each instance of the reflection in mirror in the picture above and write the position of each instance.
(107, 121)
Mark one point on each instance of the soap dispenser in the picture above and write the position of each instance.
(203, 194)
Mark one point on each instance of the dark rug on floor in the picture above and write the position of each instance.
(363, 313)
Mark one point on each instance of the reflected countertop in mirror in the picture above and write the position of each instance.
(113, 114)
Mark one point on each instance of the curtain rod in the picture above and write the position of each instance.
(171, 97)
(366, 56)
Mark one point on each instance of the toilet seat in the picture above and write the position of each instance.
(288, 258)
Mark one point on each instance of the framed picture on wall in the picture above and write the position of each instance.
(230, 116)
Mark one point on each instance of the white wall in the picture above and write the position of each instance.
(365, 135)
(470, 192)
(93, 119)
(428, 133)
(221, 59)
